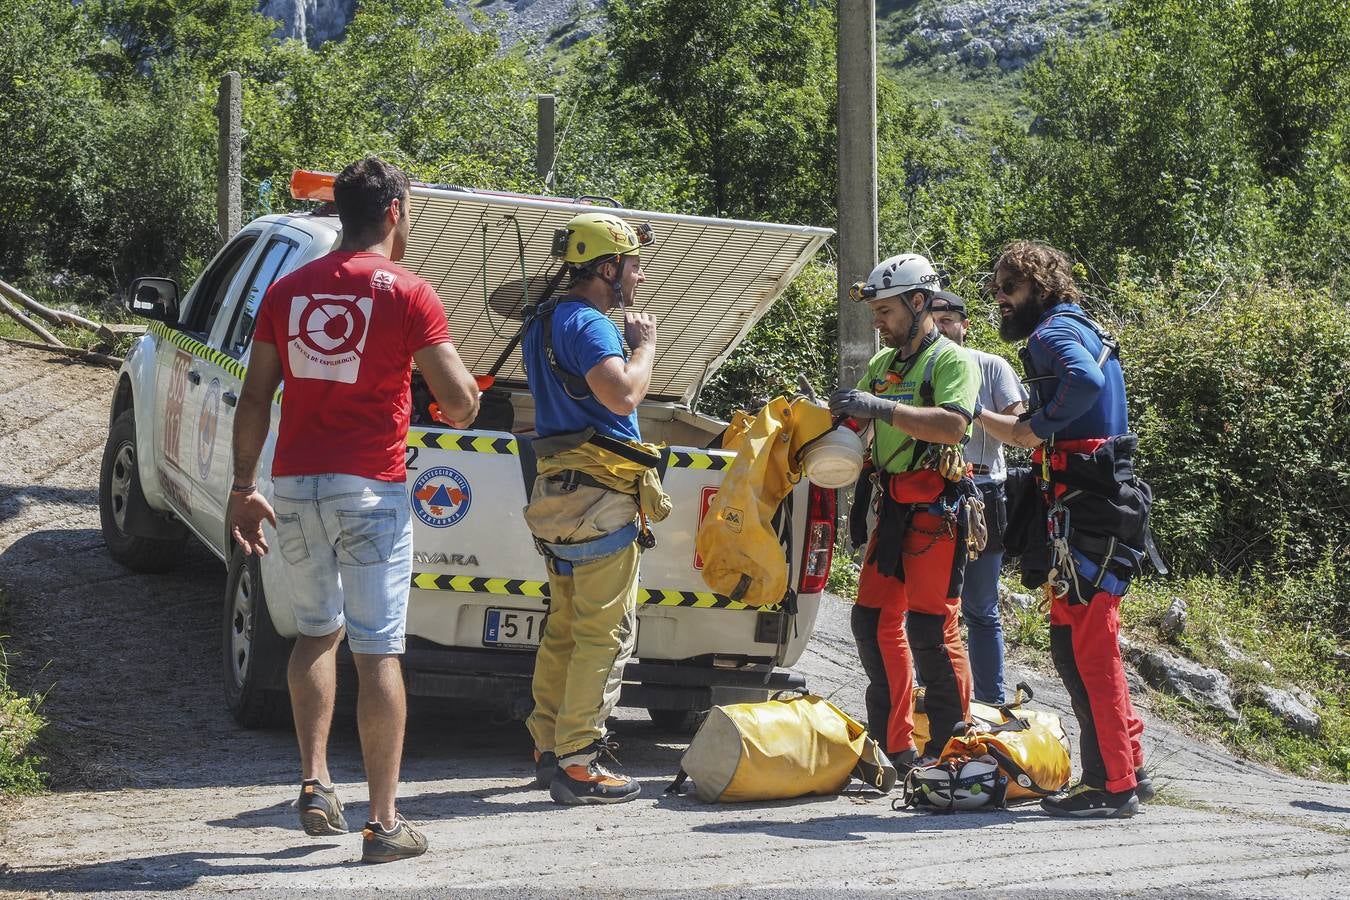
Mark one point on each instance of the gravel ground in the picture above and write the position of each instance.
(158, 791)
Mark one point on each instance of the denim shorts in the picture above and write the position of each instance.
(347, 543)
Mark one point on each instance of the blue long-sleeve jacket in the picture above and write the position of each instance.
(1078, 399)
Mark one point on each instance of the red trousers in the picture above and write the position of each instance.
(912, 624)
(1083, 642)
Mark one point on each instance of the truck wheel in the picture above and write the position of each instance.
(255, 656)
(119, 486)
(677, 721)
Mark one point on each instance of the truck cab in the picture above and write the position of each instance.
(479, 589)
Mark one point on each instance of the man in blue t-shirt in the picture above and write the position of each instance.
(585, 503)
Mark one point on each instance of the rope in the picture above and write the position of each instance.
(487, 305)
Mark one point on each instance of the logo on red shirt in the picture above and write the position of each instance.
(327, 336)
(382, 281)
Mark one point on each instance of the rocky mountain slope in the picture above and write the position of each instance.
(979, 34)
(531, 21)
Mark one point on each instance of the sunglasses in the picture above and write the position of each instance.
(1006, 287)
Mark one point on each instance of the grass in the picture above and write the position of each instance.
(1257, 631)
(72, 337)
(20, 727)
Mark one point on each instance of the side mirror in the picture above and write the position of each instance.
(154, 298)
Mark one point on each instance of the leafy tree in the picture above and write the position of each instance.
(409, 82)
(50, 108)
(741, 93)
(209, 36)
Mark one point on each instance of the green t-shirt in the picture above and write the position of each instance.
(956, 384)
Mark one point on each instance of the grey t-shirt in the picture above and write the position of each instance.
(999, 389)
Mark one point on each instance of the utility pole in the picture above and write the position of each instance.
(857, 68)
(543, 142)
(229, 159)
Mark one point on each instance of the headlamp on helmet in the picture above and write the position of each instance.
(894, 276)
(594, 237)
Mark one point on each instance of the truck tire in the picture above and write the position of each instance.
(254, 655)
(119, 486)
(677, 721)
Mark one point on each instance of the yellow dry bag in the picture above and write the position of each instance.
(742, 556)
(790, 747)
(1029, 745)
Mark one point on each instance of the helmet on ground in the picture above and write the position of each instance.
(590, 237)
(961, 782)
(896, 275)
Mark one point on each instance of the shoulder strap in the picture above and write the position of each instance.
(574, 385)
(926, 388)
(1110, 346)
(926, 393)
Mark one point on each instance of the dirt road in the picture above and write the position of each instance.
(160, 792)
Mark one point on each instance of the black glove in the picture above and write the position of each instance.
(861, 405)
(857, 513)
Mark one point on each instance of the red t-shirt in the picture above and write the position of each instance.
(346, 327)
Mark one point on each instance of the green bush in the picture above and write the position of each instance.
(1241, 404)
(20, 725)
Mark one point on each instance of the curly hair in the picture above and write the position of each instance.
(1048, 270)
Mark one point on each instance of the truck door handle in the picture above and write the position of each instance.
(230, 398)
(194, 376)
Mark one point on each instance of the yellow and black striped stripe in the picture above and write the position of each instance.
(198, 349)
(515, 587)
(698, 459)
(471, 584)
(467, 443)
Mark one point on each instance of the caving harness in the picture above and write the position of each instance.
(897, 495)
(1094, 476)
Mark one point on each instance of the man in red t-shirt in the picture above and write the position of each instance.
(343, 332)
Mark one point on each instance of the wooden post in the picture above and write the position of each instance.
(229, 164)
(29, 323)
(544, 133)
(857, 70)
(56, 316)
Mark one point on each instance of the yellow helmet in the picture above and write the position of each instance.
(594, 236)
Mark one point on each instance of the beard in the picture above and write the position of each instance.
(1021, 323)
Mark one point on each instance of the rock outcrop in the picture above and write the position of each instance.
(1008, 34)
(559, 22)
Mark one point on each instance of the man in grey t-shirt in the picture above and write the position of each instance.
(1001, 391)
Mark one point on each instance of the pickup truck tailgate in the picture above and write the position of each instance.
(475, 561)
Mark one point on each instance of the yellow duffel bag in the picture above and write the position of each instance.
(790, 746)
(1029, 744)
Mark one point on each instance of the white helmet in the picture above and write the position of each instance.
(897, 275)
(962, 782)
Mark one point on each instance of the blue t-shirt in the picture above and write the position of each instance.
(1079, 399)
(583, 337)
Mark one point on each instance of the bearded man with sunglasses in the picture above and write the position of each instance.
(920, 393)
(1089, 535)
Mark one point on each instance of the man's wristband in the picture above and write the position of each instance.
(243, 489)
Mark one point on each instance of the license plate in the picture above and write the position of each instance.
(512, 627)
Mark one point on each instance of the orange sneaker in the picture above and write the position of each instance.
(580, 779)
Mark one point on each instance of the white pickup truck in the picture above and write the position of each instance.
(479, 591)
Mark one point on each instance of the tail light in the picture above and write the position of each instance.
(821, 508)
